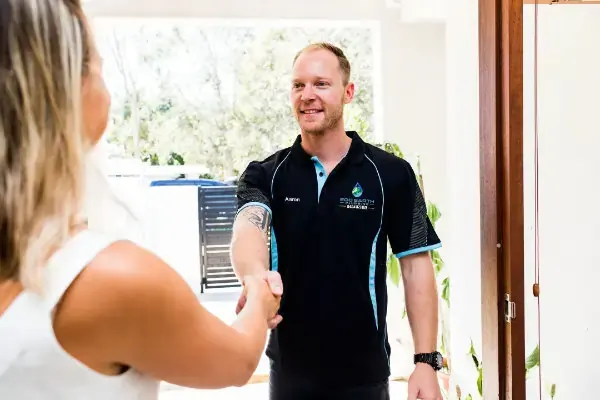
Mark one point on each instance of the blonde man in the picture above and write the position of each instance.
(329, 204)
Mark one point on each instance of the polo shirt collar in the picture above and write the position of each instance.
(355, 153)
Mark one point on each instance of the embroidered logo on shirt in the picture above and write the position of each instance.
(356, 202)
(357, 190)
(293, 199)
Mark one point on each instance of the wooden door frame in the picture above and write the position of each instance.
(502, 214)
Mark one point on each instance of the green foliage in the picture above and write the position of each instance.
(175, 159)
(533, 360)
(218, 96)
(443, 345)
(446, 290)
(391, 148)
(552, 390)
(438, 263)
(393, 267)
(150, 158)
(478, 367)
(433, 212)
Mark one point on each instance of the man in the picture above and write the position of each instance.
(327, 205)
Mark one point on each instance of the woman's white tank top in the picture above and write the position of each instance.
(33, 365)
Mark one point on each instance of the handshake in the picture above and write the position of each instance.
(263, 290)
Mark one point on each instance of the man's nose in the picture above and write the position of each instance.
(308, 93)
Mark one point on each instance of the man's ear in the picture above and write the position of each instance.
(349, 93)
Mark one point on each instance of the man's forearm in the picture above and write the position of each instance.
(421, 301)
(249, 249)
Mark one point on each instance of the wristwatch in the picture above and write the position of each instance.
(434, 359)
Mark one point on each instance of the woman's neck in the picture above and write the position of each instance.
(9, 290)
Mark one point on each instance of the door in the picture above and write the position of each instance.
(501, 166)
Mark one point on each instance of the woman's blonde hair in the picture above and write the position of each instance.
(44, 52)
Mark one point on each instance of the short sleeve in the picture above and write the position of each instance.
(254, 188)
(409, 229)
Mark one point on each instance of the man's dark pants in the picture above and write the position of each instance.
(287, 387)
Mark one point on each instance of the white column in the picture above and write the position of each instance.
(462, 243)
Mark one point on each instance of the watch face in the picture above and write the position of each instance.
(439, 360)
(436, 360)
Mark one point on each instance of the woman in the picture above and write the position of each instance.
(85, 316)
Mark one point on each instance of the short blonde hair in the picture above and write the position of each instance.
(44, 52)
(339, 53)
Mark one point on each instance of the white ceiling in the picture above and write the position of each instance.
(262, 9)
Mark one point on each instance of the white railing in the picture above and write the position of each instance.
(159, 171)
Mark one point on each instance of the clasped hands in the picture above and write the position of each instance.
(268, 287)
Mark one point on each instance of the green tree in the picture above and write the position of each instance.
(217, 96)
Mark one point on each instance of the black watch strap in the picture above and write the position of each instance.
(435, 359)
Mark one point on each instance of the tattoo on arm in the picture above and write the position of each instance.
(258, 217)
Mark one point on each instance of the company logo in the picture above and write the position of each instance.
(357, 190)
(356, 202)
(293, 199)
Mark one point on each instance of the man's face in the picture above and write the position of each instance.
(318, 92)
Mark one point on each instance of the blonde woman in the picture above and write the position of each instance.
(86, 316)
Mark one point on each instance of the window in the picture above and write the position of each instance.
(216, 94)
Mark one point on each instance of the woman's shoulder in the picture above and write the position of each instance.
(121, 283)
(119, 272)
(114, 298)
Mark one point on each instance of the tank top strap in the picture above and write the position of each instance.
(69, 261)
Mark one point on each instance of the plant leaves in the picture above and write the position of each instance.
(433, 212)
(480, 382)
(472, 349)
(446, 290)
(443, 345)
(438, 263)
(553, 390)
(393, 149)
(393, 267)
(533, 360)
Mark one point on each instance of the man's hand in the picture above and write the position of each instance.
(423, 384)
(274, 280)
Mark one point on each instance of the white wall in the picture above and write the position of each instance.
(414, 77)
(462, 248)
(569, 166)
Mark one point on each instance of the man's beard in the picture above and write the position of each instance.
(328, 123)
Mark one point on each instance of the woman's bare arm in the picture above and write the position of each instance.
(129, 307)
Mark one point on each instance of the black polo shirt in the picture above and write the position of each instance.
(329, 243)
